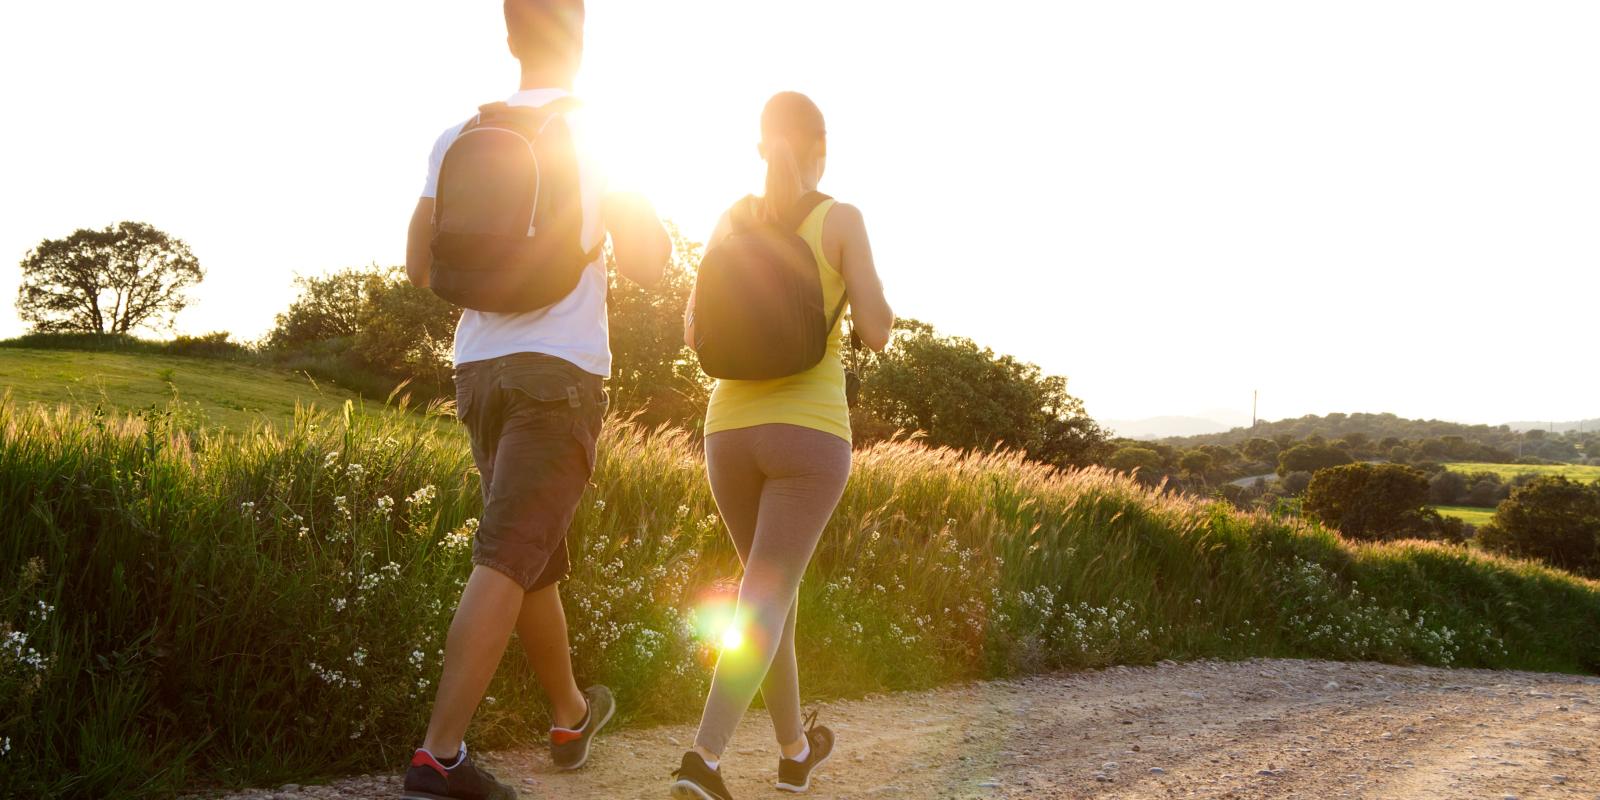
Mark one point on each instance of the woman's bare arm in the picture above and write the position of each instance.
(870, 311)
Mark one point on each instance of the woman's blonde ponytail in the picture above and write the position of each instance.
(792, 133)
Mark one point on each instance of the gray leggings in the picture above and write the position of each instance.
(776, 486)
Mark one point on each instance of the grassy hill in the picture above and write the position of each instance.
(228, 394)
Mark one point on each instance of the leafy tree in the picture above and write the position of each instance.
(113, 280)
(1553, 519)
(1446, 488)
(965, 396)
(330, 307)
(1128, 459)
(1311, 457)
(370, 329)
(1195, 463)
(654, 374)
(1221, 457)
(1261, 450)
(408, 333)
(1371, 501)
(1486, 493)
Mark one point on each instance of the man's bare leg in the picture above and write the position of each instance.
(542, 627)
(477, 640)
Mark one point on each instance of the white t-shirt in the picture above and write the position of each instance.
(573, 329)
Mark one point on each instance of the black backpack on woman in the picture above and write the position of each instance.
(508, 219)
(758, 304)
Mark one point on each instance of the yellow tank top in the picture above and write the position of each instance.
(812, 399)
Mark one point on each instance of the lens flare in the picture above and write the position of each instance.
(713, 616)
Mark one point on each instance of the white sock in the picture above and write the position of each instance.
(712, 763)
(804, 754)
(460, 756)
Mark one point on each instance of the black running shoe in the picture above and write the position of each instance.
(569, 749)
(430, 780)
(696, 781)
(795, 776)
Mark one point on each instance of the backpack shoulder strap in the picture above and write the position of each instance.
(803, 207)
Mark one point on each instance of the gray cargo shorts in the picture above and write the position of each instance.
(533, 420)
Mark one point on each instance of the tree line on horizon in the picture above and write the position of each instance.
(368, 329)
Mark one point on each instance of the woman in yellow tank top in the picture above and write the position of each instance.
(778, 456)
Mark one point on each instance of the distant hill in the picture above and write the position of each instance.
(1338, 426)
(1164, 427)
(1582, 425)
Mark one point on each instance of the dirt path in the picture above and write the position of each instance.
(1252, 729)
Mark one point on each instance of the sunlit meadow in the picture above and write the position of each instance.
(182, 609)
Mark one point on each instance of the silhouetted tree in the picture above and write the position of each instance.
(113, 280)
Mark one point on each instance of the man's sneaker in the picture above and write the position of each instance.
(569, 748)
(696, 781)
(795, 776)
(427, 779)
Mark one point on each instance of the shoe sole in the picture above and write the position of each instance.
(688, 790)
(803, 788)
(414, 795)
(589, 742)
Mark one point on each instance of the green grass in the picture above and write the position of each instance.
(183, 609)
(1468, 514)
(228, 394)
(1506, 472)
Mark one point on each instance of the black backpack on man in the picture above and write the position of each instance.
(508, 216)
(758, 305)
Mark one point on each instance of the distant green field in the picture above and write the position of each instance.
(1468, 514)
(1509, 471)
(230, 394)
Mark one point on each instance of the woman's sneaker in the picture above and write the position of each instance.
(795, 775)
(569, 748)
(696, 781)
(427, 779)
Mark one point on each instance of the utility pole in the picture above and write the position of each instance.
(1255, 400)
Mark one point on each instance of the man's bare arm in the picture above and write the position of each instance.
(419, 241)
(638, 239)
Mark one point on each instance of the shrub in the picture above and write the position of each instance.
(1553, 519)
(1371, 501)
(1296, 483)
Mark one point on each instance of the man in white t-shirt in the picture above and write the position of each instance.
(530, 389)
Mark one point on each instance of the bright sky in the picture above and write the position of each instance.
(1352, 206)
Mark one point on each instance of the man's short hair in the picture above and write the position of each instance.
(546, 33)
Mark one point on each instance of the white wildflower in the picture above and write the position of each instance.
(422, 497)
